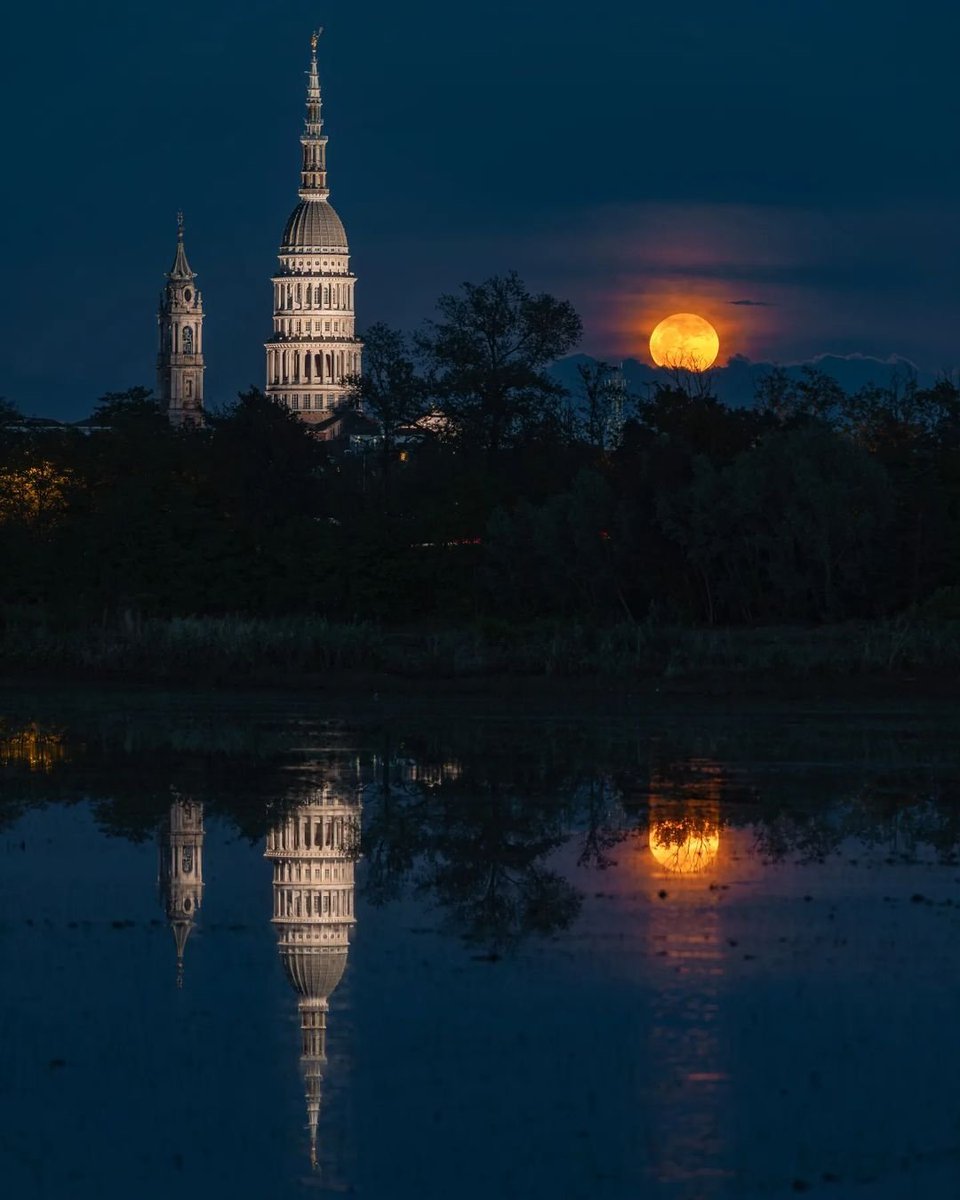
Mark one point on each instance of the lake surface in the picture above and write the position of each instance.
(258, 947)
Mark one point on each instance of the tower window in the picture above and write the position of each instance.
(187, 339)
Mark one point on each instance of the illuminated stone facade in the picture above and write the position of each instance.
(180, 359)
(181, 871)
(314, 344)
(313, 850)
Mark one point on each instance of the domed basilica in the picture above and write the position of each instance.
(314, 347)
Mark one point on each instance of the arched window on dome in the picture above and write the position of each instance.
(326, 295)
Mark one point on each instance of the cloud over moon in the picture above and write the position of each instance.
(779, 283)
(782, 284)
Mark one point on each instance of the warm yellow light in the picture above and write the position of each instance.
(684, 855)
(686, 341)
(33, 494)
(34, 747)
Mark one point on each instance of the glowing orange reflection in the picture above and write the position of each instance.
(684, 835)
(684, 853)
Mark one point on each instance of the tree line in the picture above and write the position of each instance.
(492, 493)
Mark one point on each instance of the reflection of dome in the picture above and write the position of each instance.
(314, 971)
(314, 225)
(684, 853)
(313, 849)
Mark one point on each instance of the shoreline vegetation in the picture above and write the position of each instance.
(235, 651)
(494, 532)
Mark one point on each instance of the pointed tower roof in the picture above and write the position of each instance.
(181, 931)
(313, 225)
(313, 176)
(180, 268)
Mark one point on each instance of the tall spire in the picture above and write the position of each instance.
(313, 176)
(180, 268)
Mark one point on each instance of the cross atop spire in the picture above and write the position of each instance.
(180, 268)
(313, 176)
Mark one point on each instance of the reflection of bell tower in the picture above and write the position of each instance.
(181, 871)
(313, 849)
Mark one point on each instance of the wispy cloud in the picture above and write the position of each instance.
(779, 283)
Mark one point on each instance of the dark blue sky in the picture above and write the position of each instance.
(633, 159)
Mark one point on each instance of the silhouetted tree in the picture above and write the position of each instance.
(487, 352)
(9, 412)
(134, 407)
(790, 530)
(600, 397)
(389, 390)
(815, 396)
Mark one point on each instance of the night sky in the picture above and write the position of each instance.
(788, 171)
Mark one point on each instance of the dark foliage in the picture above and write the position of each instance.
(491, 495)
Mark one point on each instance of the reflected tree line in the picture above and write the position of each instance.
(494, 828)
(500, 830)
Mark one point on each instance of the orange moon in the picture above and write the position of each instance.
(684, 340)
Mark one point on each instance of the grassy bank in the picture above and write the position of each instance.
(235, 650)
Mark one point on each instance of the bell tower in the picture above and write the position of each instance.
(180, 359)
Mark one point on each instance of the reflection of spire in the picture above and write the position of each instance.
(181, 871)
(313, 849)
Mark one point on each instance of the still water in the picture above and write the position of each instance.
(264, 948)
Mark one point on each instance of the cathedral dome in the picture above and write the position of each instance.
(314, 225)
(314, 971)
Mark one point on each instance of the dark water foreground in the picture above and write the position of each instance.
(264, 950)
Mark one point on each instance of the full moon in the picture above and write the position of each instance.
(684, 340)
